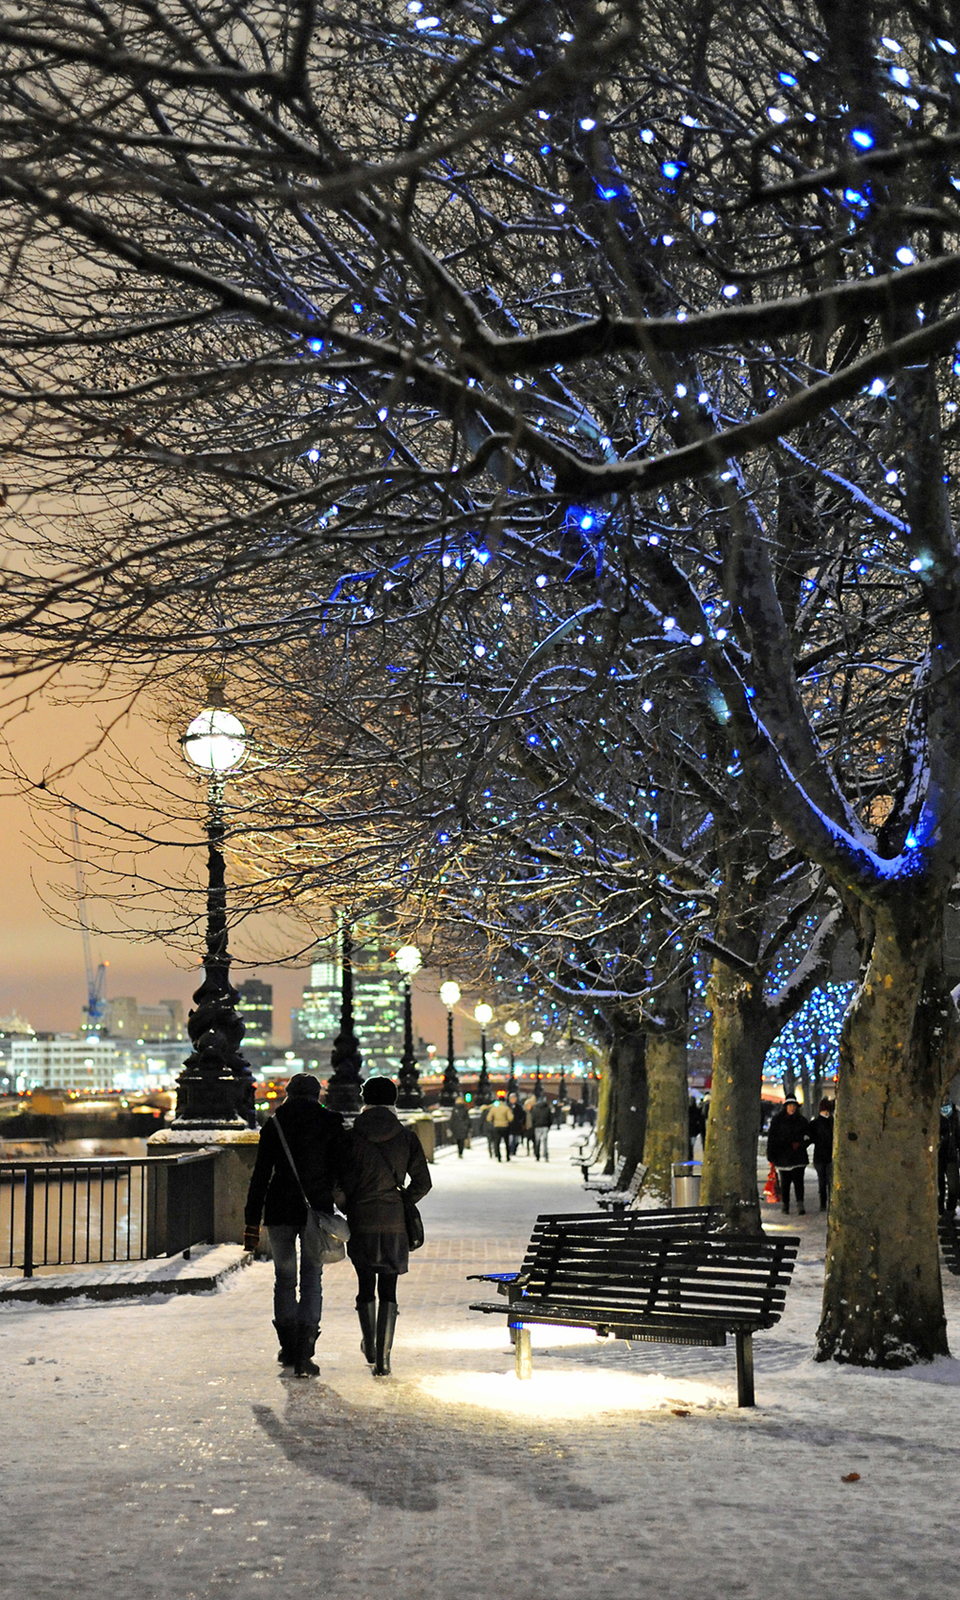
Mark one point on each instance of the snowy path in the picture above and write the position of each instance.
(151, 1449)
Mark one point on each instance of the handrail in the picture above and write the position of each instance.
(79, 1210)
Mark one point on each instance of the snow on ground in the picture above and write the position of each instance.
(151, 1448)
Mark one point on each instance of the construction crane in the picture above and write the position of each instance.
(96, 979)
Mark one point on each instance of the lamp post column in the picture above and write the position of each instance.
(410, 1097)
(483, 1014)
(450, 994)
(216, 1086)
(343, 1089)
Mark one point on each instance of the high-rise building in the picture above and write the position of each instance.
(377, 1008)
(256, 1008)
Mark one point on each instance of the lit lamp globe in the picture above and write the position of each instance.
(512, 1028)
(216, 741)
(408, 960)
(537, 1037)
(450, 994)
(484, 1015)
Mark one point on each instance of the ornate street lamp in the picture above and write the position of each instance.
(343, 1088)
(512, 1029)
(537, 1038)
(216, 1086)
(450, 1088)
(408, 961)
(484, 1015)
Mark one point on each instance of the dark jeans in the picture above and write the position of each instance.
(502, 1137)
(370, 1281)
(948, 1186)
(460, 1145)
(824, 1180)
(790, 1177)
(283, 1247)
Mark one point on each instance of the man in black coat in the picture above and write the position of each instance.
(948, 1158)
(317, 1143)
(787, 1140)
(821, 1134)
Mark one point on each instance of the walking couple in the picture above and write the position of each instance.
(368, 1166)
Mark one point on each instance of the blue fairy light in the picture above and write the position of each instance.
(671, 169)
(862, 138)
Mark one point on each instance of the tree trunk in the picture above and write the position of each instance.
(739, 1046)
(606, 1102)
(667, 1111)
(882, 1299)
(629, 1058)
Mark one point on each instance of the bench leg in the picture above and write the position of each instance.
(745, 1369)
(524, 1353)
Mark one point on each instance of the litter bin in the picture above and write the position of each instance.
(686, 1183)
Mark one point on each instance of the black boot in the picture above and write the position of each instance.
(305, 1367)
(288, 1333)
(367, 1312)
(386, 1324)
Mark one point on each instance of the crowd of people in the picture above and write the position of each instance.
(511, 1121)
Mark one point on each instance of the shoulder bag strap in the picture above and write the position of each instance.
(293, 1165)
(388, 1164)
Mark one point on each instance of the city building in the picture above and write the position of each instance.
(256, 1008)
(63, 1061)
(124, 1018)
(377, 1008)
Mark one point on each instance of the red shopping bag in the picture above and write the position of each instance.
(771, 1189)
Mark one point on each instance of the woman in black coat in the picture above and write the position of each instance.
(382, 1154)
(316, 1140)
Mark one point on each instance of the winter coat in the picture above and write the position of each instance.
(500, 1115)
(540, 1114)
(380, 1155)
(519, 1118)
(317, 1143)
(949, 1149)
(787, 1139)
(460, 1122)
(821, 1132)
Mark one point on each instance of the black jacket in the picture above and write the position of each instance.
(787, 1139)
(821, 1132)
(381, 1153)
(317, 1143)
(540, 1114)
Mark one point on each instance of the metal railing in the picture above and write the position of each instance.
(57, 1212)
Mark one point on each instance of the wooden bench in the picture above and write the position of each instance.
(655, 1276)
(621, 1199)
(612, 1180)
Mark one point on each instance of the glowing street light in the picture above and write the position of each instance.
(216, 1086)
(537, 1038)
(484, 1015)
(408, 961)
(449, 995)
(512, 1029)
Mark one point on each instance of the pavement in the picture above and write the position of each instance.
(152, 1447)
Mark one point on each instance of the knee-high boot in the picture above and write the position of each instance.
(305, 1367)
(386, 1325)
(367, 1312)
(288, 1333)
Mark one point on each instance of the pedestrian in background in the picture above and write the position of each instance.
(500, 1122)
(381, 1154)
(460, 1124)
(317, 1143)
(821, 1132)
(519, 1127)
(541, 1118)
(787, 1143)
(948, 1159)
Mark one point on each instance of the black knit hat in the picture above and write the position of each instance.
(380, 1092)
(790, 1100)
(304, 1086)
